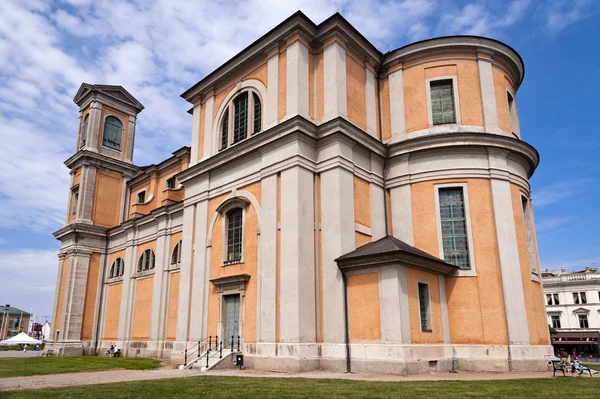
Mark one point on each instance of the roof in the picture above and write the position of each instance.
(115, 92)
(11, 310)
(388, 250)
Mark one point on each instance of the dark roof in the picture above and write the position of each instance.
(11, 310)
(390, 249)
(385, 245)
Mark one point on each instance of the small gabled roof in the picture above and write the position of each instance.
(388, 250)
(116, 92)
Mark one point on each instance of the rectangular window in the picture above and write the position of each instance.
(454, 227)
(552, 299)
(583, 297)
(442, 102)
(583, 321)
(528, 223)
(424, 308)
(75, 201)
(556, 302)
(579, 298)
(511, 112)
(234, 235)
(548, 299)
(171, 182)
(555, 321)
(141, 197)
(576, 298)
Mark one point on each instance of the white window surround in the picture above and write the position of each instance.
(147, 200)
(122, 134)
(178, 186)
(429, 320)
(223, 209)
(253, 84)
(460, 272)
(531, 247)
(512, 116)
(440, 128)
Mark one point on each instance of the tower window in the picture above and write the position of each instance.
(242, 118)
(442, 102)
(424, 307)
(527, 219)
(176, 255)
(75, 199)
(234, 235)
(454, 227)
(113, 131)
(84, 129)
(511, 112)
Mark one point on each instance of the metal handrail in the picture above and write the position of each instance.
(204, 348)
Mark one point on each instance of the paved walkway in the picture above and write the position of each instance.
(20, 354)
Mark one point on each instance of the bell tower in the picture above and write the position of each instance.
(100, 169)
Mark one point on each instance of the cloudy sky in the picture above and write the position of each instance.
(158, 49)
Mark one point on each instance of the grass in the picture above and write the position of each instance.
(27, 366)
(265, 388)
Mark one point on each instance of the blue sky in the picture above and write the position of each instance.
(156, 50)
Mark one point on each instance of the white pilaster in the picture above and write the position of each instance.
(296, 80)
(159, 287)
(297, 278)
(272, 101)
(200, 283)
(130, 138)
(371, 103)
(337, 204)
(334, 69)
(87, 188)
(508, 251)
(396, 84)
(488, 96)
(75, 296)
(393, 302)
(208, 128)
(402, 219)
(377, 212)
(94, 134)
(128, 290)
(266, 306)
(183, 304)
(444, 309)
(195, 134)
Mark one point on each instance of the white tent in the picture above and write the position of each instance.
(21, 339)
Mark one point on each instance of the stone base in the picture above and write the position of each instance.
(67, 348)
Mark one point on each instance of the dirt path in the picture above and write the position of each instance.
(114, 376)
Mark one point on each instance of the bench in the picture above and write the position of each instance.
(558, 366)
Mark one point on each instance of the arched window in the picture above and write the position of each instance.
(234, 234)
(242, 118)
(117, 269)
(84, 129)
(176, 255)
(113, 130)
(146, 261)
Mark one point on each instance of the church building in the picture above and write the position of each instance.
(339, 208)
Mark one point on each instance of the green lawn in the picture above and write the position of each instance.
(14, 367)
(264, 388)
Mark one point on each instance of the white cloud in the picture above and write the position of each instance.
(560, 14)
(557, 192)
(551, 224)
(28, 279)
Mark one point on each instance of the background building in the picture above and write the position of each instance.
(338, 208)
(573, 309)
(13, 321)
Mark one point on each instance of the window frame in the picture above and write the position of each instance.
(104, 130)
(117, 269)
(455, 95)
(530, 239)
(174, 180)
(177, 248)
(428, 315)
(84, 130)
(579, 297)
(553, 318)
(512, 114)
(580, 317)
(75, 200)
(436, 187)
(137, 197)
(232, 204)
(143, 260)
(229, 112)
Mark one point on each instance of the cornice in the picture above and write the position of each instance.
(493, 142)
(90, 158)
(154, 215)
(82, 229)
(179, 156)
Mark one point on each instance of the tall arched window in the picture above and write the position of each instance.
(242, 118)
(234, 234)
(176, 255)
(117, 269)
(146, 261)
(84, 129)
(113, 130)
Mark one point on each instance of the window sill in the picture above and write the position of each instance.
(114, 280)
(111, 148)
(144, 273)
(174, 266)
(232, 262)
(427, 331)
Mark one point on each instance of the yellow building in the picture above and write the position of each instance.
(339, 208)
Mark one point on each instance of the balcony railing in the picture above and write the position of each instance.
(572, 278)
